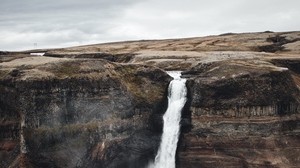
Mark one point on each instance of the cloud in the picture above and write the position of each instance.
(194, 18)
(58, 24)
(76, 22)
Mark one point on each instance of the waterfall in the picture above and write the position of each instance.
(165, 157)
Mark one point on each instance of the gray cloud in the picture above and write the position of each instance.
(76, 22)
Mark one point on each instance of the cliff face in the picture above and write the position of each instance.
(102, 105)
(244, 113)
(84, 113)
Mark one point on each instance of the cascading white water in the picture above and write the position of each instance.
(177, 91)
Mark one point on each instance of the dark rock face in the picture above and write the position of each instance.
(94, 55)
(292, 64)
(132, 152)
(242, 83)
(80, 113)
(278, 43)
(4, 52)
(243, 114)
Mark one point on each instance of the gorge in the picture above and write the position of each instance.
(102, 105)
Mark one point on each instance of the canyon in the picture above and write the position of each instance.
(102, 105)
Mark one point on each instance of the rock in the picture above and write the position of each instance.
(102, 55)
(244, 113)
(68, 107)
(237, 84)
(4, 52)
(133, 152)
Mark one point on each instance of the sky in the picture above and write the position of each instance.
(31, 24)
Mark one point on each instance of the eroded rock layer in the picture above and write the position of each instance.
(79, 113)
(244, 113)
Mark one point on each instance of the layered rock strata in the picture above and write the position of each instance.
(244, 113)
(79, 113)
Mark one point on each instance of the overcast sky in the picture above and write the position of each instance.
(63, 23)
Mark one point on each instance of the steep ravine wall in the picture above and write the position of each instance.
(98, 115)
(241, 115)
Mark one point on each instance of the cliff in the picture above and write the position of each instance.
(78, 113)
(101, 105)
(244, 113)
